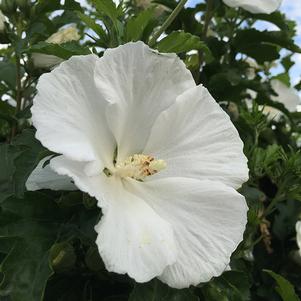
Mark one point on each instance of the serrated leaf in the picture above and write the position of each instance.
(284, 288)
(180, 41)
(246, 37)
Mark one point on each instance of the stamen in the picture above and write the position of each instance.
(139, 166)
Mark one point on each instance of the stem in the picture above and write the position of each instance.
(208, 17)
(168, 21)
(18, 97)
(18, 93)
(279, 197)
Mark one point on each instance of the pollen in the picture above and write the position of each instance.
(139, 167)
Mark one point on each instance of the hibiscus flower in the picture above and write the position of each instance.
(158, 153)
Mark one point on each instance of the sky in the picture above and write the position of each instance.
(292, 8)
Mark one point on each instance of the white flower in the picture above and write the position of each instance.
(286, 95)
(65, 35)
(255, 6)
(298, 230)
(2, 20)
(157, 152)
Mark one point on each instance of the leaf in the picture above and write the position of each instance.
(108, 8)
(180, 41)
(276, 18)
(260, 52)
(26, 267)
(94, 26)
(8, 73)
(246, 37)
(17, 162)
(136, 26)
(284, 288)
(230, 286)
(64, 51)
(157, 291)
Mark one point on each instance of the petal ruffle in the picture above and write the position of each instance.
(140, 83)
(208, 219)
(197, 139)
(132, 238)
(69, 112)
(47, 178)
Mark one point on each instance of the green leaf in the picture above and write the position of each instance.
(284, 288)
(246, 37)
(277, 18)
(94, 26)
(136, 26)
(17, 162)
(180, 41)
(108, 8)
(26, 267)
(64, 51)
(157, 291)
(230, 286)
(260, 52)
(8, 73)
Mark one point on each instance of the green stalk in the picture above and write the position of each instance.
(168, 21)
(208, 17)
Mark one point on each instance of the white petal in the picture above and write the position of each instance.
(255, 6)
(208, 219)
(197, 139)
(47, 178)
(132, 238)
(69, 112)
(140, 83)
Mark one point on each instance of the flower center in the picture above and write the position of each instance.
(139, 166)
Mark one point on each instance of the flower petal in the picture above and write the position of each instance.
(255, 6)
(140, 83)
(69, 112)
(47, 178)
(208, 219)
(197, 139)
(132, 238)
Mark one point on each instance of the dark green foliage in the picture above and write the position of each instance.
(47, 238)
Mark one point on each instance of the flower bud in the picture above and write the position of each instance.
(64, 36)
